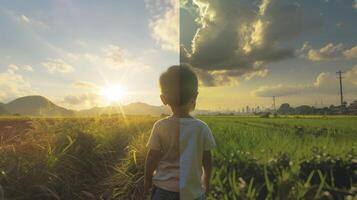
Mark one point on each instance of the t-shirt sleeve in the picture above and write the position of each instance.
(209, 141)
(154, 139)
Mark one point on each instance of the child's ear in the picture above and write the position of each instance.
(163, 99)
(194, 98)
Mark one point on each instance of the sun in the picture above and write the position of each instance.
(113, 93)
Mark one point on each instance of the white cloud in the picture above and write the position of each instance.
(351, 75)
(25, 18)
(303, 50)
(351, 53)
(57, 65)
(17, 67)
(165, 26)
(31, 21)
(13, 67)
(328, 52)
(324, 83)
(258, 73)
(281, 90)
(110, 56)
(117, 58)
(84, 85)
(13, 85)
(27, 68)
(114, 55)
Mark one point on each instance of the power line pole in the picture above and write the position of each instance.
(339, 73)
(274, 107)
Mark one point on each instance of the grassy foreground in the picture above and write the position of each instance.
(102, 158)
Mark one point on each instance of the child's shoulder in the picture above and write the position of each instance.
(188, 121)
(194, 122)
(162, 121)
(200, 122)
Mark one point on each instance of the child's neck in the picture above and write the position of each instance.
(179, 113)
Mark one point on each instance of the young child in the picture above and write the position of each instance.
(178, 163)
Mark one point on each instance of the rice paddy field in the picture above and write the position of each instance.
(297, 157)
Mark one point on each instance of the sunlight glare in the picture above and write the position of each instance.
(113, 93)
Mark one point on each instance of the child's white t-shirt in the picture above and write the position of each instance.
(182, 142)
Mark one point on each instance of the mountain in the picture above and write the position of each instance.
(137, 108)
(3, 110)
(36, 106)
(41, 106)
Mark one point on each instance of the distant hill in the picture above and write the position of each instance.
(3, 110)
(143, 108)
(137, 108)
(36, 106)
(41, 106)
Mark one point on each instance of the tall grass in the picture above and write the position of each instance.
(68, 158)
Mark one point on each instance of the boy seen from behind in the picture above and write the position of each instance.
(178, 162)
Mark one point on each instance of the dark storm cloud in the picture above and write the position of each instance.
(228, 77)
(242, 36)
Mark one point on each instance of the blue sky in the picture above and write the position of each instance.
(97, 42)
(71, 51)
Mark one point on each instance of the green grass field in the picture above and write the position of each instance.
(284, 158)
(102, 158)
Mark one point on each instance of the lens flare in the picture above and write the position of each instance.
(113, 93)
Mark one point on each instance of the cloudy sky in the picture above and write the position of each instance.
(78, 52)
(247, 51)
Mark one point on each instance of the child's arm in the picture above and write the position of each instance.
(151, 163)
(207, 167)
